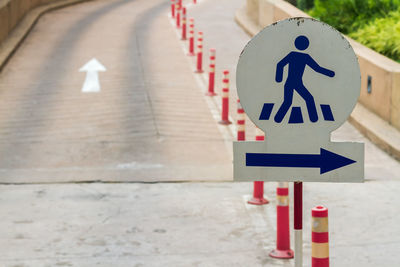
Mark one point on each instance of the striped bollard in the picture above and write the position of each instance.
(199, 52)
(258, 186)
(241, 120)
(178, 15)
(173, 8)
(320, 237)
(183, 24)
(225, 100)
(211, 76)
(282, 250)
(191, 37)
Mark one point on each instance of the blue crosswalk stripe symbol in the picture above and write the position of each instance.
(296, 115)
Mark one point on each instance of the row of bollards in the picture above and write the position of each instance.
(320, 244)
(179, 13)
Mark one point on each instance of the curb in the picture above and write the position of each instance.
(377, 130)
(246, 23)
(380, 132)
(19, 33)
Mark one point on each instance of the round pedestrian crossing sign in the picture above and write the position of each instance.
(298, 76)
(298, 80)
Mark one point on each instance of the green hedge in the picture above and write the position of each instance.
(349, 15)
(382, 35)
(374, 23)
(305, 4)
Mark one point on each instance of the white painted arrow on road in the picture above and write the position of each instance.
(92, 83)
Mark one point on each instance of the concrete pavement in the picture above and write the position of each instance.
(186, 224)
(85, 225)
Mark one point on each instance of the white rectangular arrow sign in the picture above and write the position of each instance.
(330, 162)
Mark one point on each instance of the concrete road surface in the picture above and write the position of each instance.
(149, 122)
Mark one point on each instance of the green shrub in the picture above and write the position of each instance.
(305, 4)
(337, 13)
(349, 15)
(374, 23)
(293, 2)
(382, 35)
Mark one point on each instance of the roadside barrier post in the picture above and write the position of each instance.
(211, 76)
(258, 194)
(258, 186)
(191, 37)
(282, 250)
(225, 100)
(320, 237)
(199, 52)
(184, 23)
(173, 8)
(178, 15)
(241, 122)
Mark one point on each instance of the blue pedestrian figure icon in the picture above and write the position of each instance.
(297, 62)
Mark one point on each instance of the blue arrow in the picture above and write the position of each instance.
(326, 160)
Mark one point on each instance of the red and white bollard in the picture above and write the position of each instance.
(191, 37)
(211, 76)
(320, 237)
(194, 1)
(259, 135)
(282, 250)
(199, 52)
(258, 194)
(241, 122)
(258, 186)
(225, 99)
(173, 8)
(178, 14)
(183, 23)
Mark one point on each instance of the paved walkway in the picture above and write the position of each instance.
(177, 225)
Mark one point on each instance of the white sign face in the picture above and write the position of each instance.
(298, 80)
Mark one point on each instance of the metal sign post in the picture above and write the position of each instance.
(298, 80)
(298, 224)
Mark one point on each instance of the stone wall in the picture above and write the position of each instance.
(12, 11)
